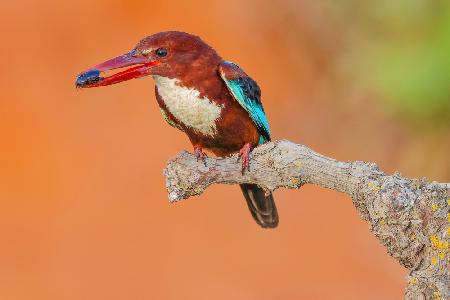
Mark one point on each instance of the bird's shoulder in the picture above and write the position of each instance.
(234, 74)
(247, 93)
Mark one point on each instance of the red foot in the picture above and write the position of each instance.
(198, 151)
(244, 153)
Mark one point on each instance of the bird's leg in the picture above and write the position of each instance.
(244, 154)
(199, 154)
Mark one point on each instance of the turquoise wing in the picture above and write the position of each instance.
(247, 92)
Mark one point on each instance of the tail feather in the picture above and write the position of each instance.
(261, 206)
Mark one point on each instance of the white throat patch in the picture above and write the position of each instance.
(187, 107)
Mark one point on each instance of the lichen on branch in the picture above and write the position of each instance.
(410, 217)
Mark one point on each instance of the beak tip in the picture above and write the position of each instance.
(87, 78)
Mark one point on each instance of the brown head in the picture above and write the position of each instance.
(169, 54)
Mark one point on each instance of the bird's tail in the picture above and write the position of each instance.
(261, 206)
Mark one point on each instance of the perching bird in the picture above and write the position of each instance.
(213, 101)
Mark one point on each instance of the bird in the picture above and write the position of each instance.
(210, 99)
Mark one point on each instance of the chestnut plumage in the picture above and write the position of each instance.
(213, 101)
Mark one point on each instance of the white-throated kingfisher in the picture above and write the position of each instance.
(213, 101)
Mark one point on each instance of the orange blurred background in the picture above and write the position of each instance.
(84, 211)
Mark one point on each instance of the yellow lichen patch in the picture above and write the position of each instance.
(442, 247)
(448, 201)
(448, 230)
(413, 281)
(298, 163)
(448, 217)
(437, 294)
(413, 236)
(434, 241)
(433, 260)
(373, 186)
(295, 180)
(438, 244)
(434, 207)
(382, 221)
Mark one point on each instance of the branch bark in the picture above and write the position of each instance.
(410, 217)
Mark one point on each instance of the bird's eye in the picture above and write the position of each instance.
(161, 52)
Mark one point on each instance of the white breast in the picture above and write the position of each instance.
(186, 105)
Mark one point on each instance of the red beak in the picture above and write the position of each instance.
(92, 78)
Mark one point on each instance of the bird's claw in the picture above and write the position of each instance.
(200, 155)
(244, 154)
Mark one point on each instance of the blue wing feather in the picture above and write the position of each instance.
(246, 91)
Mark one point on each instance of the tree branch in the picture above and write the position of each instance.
(410, 217)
